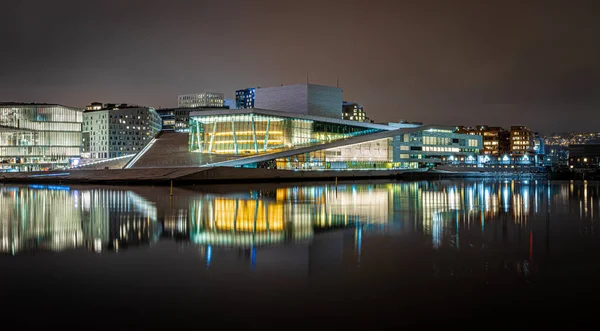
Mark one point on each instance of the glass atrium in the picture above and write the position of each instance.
(252, 134)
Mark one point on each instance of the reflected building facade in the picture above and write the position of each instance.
(36, 136)
(56, 218)
(328, 225)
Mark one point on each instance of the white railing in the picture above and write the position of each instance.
(140, 154)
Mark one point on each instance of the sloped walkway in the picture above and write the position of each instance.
(170, 150)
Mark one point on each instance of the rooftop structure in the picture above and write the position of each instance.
(205, 99)
(177, 119)
(308, 99)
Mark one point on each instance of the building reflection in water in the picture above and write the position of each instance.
(455, 215)
(56, 218)
(285, 214)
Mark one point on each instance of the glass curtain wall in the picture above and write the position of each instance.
(38, 137)
(251, 134)
(376, 154)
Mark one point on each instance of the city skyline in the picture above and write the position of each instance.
(507, 63)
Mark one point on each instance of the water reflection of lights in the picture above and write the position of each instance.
(292, 214)
(48, 218)
(113, 219)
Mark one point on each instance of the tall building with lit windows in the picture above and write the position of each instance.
(245, 98)
(352, 111)
(521, 141)
(496, 140)
(118, 130)
(205, 99)
(37, 136)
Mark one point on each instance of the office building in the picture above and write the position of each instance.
(36, 136)
(496, 140)
(436, 145)
(584, 157)
(352, 111)
(245, 98)
(521, 141)
(118, 130)
(205, 100)
(307, 99)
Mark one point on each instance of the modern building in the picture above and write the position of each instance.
(521, 141)
(288, 140)
(37, 136)
(177, 119)
(245, 98)
(584, 157)
(437, 145)
(496, 140)
(206, 99)
(118, 130)
(352, 111)
(307, 99)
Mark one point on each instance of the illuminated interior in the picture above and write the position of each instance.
(38, 136)
(251, 134)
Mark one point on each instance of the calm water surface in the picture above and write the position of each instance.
(372, 255)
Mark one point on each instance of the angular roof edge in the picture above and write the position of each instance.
(337, 143)
(268, 112)
(41, 104)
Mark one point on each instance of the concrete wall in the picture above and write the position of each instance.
(309, 99)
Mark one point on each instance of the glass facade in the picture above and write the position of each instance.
(375, 154)
(252, 134)
(39, 136)
(255, 133)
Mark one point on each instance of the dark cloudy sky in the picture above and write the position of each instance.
(535, 63)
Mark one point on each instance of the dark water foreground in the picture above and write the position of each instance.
(451, 254)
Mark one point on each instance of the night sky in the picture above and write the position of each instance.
(535, 63)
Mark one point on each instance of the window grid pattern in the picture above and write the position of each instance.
(38, 137)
